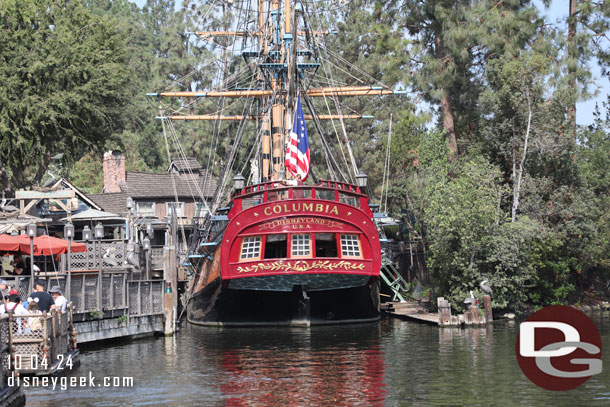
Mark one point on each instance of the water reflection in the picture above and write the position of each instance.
(323, 366)
(392, 363)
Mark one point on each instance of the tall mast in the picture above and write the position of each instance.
(277, 84)
(266, 121)
(280, 64)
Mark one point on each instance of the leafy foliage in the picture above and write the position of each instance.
(525, 203)
(62, 84)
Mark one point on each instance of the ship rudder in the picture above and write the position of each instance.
(302, 316)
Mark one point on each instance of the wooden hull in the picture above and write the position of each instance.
(219, 306)
(300, 260)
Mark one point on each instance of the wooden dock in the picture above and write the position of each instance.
(410, 311)
(415, 311)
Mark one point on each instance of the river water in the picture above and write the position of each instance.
(390, 363)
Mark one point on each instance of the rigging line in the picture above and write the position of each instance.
(220, 187)
(347, 145)
(218, 111)
(229, 165)
(385, 164)
(328, 155)
(257, 140)
(322, 136)
(190, 174)
(183, 156)
(173, 176)
(345, 71)
(52, 257)
(388, 156)
(355, 67)
(234, 75)
(329, 75)
(338, 140)
(233, 155)
(216, 133)
(326, 81)
(188, 75)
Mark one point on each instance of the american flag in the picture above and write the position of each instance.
(297, 151)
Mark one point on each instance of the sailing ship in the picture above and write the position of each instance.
(289, 248)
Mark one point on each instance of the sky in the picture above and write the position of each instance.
(584, 109)
(558, 10)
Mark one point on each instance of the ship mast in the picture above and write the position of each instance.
(279, 72)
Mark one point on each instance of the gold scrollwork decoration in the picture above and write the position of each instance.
(302, 266)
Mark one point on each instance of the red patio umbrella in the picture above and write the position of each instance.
(10, 243)
(48, 245)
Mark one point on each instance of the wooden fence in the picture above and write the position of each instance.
(145, 297)
(101, 294)
(38, 344)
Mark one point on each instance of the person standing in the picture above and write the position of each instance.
(45, 300)
(34, 322)
(4, 290)
(16, 307)
(60, 300)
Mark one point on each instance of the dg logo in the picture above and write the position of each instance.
(559, 348)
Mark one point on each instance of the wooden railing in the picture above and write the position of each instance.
(5, 350)
(104, 254)
(101, 295)
(145, 297)
(37, 343)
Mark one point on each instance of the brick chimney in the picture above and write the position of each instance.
(114, 171)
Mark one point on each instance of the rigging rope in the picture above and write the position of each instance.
(386, 169)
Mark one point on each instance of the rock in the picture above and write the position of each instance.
(585, 308)
(509, 315)
(606, 306)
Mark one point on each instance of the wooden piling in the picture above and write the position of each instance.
(487, 304)
(444, 311)
(468, 317)
(168, 300)
(474, 310)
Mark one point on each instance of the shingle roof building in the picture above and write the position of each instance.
(191, 181)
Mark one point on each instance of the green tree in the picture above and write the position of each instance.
(62, 84)
(453, 43)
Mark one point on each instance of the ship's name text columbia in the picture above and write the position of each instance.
(301, 207)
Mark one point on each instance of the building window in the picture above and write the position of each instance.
(178, 207)
(300, 246)
(250, 247)
(146, 209)
(201, 210)
(350, 246)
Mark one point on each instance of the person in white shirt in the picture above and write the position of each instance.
(14, 305)
(60, 300)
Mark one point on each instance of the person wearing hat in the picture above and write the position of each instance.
(60, 300)
(45, 301)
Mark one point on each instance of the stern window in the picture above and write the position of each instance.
(250, 247)
(326, 245)
(350, 246)
(301, 246)
(276, 247)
